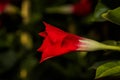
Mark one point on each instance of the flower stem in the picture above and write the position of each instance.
(109, 47)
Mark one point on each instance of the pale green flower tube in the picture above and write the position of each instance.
(92, 45)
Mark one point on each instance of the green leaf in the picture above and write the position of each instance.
(108, 69)
(100, 8)
(96, 15)
(113, 15)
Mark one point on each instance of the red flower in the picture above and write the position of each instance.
(57, 42)
(83, 7)
(3, 4)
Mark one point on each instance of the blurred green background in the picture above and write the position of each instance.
(19, 40)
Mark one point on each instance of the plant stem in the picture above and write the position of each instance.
(109, 47)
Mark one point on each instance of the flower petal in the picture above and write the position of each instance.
(54, 33)
(57, 42)
(43, 34)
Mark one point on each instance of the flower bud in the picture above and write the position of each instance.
(82, 8)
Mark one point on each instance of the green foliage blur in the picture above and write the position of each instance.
(19, 41)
